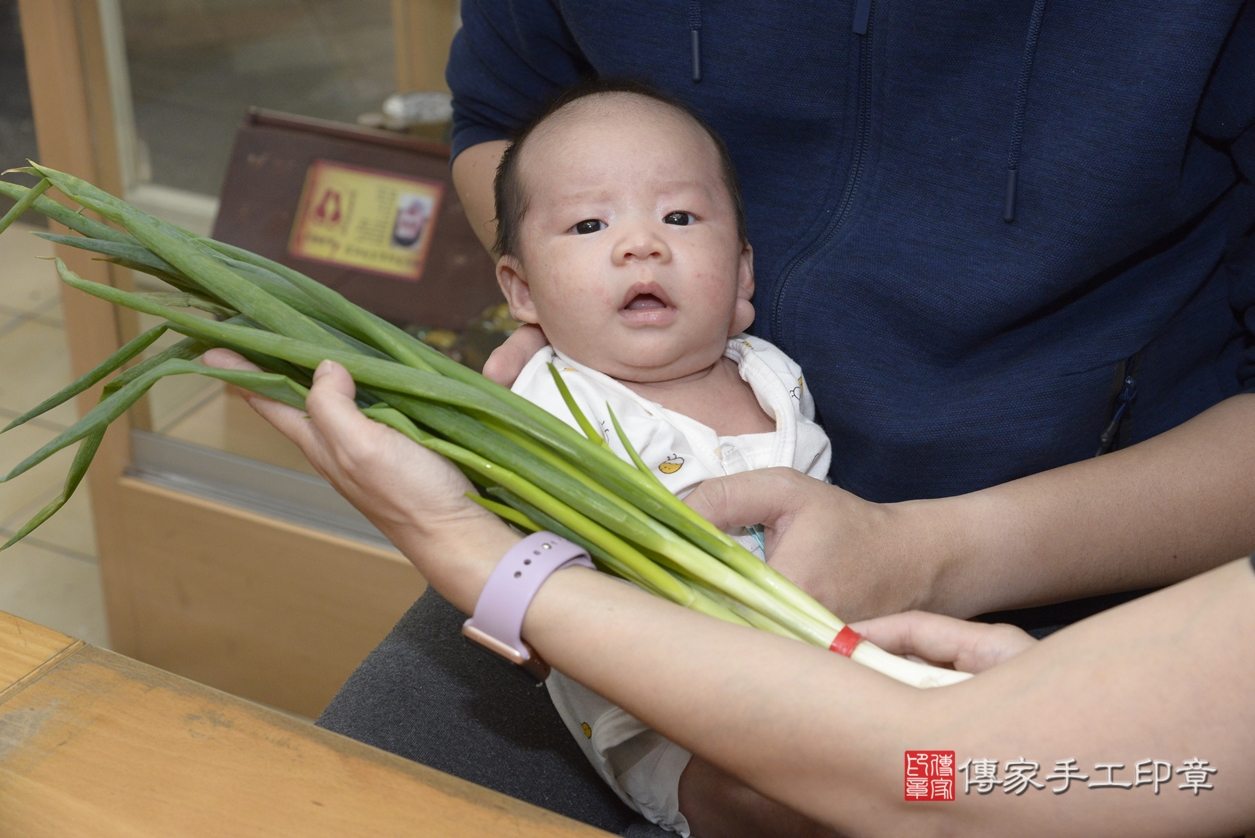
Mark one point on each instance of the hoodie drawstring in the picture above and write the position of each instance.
(1021, 102)
(695, 37)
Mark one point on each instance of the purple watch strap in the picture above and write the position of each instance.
(498, 618)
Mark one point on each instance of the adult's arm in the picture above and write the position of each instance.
(1167, 677)
(826, 737)
(508, 59)
(1148, 515)
(473, 173)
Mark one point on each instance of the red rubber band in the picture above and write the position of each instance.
(845, 641)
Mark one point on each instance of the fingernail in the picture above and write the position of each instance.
(322, 369)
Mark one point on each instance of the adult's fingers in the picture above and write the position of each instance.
(970, 647)
(338, 422)
(291, 422)
(367, 453)
(227, 360)
(331, 393)
(507, 360)
(331, 396)
(416, 498)
(764, 496)
(918, 633)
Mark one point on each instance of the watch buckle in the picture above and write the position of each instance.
(532, 665)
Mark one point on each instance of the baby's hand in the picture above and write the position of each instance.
(507, 360)
(970, 647)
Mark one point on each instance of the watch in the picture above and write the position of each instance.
(498, 619)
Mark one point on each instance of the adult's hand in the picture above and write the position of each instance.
(507, 360)
(1140, 517)
(968, 647)
(415, 497)
(859, 559)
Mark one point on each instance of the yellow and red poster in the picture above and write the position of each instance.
(365, 219)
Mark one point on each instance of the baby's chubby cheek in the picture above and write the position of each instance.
(577, 323)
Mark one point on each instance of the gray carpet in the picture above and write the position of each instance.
(427, 695)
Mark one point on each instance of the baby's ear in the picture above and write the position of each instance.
(512, 278)
(743, 315)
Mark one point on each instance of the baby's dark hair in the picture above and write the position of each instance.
(511, 202)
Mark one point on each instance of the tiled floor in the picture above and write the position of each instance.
(51, 577)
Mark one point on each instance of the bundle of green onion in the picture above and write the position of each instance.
(532, 469)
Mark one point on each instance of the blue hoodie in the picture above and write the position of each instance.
(999, 237)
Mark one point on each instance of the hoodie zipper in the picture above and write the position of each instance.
(862, 26)
(1021, 104)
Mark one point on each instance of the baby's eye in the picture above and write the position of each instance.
(591, 225)
(679, 217)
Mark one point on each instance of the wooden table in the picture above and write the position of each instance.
(95, 744)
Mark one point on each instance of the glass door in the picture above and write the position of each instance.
(183, 74)
(182, 78)
(223, 558)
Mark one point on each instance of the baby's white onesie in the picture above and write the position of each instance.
(641, 765)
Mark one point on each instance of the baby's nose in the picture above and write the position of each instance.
(640, 244)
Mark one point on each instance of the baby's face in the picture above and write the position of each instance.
(630, 257)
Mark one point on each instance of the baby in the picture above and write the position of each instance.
(622, 235)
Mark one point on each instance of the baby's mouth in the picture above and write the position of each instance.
(645, 296)
(645, 301)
